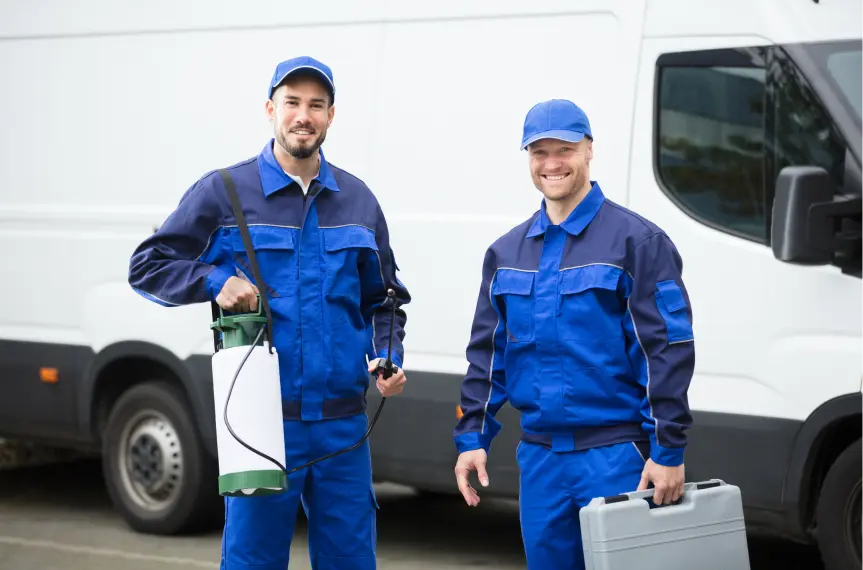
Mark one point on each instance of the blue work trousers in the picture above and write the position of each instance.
(336, 494)
(554, 486)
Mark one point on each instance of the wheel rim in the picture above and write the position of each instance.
(151, 461)
(852, 520)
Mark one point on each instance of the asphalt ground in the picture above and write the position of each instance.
(59, 517)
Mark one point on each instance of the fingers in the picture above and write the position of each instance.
(238, 296)
(462, 470)
(373, 364)
(660, 489)
(481, 473)
(645, 481)
(393, 385)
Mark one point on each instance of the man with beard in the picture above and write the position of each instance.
(583, 324)
(323, 250)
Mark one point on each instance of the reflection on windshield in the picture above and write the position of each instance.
(846, 69)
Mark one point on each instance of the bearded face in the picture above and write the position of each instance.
(301, 114)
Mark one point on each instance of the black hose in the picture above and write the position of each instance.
(264, 455)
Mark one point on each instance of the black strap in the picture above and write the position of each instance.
(250, 250)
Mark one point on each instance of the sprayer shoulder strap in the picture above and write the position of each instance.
(247, 244)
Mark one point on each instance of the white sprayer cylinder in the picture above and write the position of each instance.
(255, 415)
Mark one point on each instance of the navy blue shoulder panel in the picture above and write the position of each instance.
(611, 238)
(514, 250)
(353, 204)
(248, 184)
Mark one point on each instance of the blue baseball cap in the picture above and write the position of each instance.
(555, 119)
(303, 63)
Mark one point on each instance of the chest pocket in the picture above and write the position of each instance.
(514, 293)
(277, 256)
(346, 249)
(589, 308)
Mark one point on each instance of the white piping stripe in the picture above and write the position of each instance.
(384, 283)
(638, 451)
(646, 369)
(229, 226)
(346, 226)
(606, 264)
(493, 345)
(151, 297)
(682, 341)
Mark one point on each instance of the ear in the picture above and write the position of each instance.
(589, 150)
(270, 110)
(331, 112)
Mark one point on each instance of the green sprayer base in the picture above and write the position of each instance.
(263, 482)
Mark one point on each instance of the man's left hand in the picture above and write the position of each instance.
(667, 482)
(391, 386)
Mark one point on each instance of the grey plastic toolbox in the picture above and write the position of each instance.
(704, 530)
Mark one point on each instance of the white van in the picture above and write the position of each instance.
(109, 113)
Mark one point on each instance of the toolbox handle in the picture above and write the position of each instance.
(647, 495)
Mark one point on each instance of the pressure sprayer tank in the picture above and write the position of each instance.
(254, 411)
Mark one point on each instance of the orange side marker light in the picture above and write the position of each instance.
(458, 412)
(48, 375)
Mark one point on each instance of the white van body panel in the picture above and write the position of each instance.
(111, 113)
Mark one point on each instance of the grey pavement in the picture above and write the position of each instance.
(59, 517)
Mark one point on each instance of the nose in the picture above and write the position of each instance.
(302, 114)
(553, 163)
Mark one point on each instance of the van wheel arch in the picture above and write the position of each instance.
(121, 366)
(824, 436)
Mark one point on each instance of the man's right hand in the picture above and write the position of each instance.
(467, 462)
(238, 296)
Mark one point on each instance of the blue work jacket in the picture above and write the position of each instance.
(325, 258)
(586, 329)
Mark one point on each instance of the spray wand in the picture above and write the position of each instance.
(387, 370)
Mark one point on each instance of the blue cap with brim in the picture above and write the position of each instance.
(555, 119)
(303, 63)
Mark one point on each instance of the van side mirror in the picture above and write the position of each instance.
(811, 225)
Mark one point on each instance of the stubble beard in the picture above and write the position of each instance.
(301, 151)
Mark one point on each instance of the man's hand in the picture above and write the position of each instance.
(467, 462)
(393, 385)
(238, 296)
(667, 482)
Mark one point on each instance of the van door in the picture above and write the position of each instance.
(773, 340)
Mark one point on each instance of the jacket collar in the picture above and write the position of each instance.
(580, 217)
(274, 178)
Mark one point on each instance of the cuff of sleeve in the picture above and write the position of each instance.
(396, 359)
(216, 280)
(472, 441)
(665, 456)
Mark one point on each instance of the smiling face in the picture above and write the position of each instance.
(559, 169)
(301, 113)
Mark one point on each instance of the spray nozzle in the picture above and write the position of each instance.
(388, 368)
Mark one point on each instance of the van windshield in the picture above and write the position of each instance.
(845, 68)
(840, 64)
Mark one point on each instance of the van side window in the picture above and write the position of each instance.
(727, 121)
(710, 138)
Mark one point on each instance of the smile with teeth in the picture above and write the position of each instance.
(554, 177)
(302, 131)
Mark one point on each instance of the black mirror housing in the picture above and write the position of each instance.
(811, 225)
(797, 189)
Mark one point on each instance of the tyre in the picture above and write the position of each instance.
(159, 476)
(838, 512)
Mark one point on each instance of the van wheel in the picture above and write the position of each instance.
(159, 476)
(838, 514)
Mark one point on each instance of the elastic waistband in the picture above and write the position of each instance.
(579, 439)
(331, 409)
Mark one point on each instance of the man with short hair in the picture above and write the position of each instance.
(323, 250)
(584, 325)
